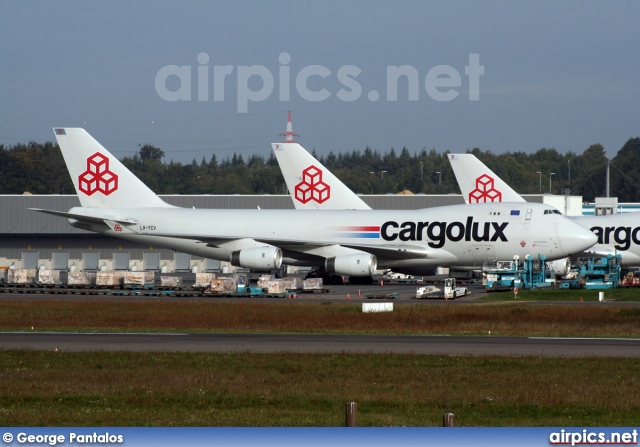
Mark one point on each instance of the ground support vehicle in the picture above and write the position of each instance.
(600, 272)
(451, 290)
(527, 275)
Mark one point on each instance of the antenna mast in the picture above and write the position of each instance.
(289, 134)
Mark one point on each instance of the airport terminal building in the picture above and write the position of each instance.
(29, 239)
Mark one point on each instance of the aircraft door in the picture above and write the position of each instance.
(527, 225)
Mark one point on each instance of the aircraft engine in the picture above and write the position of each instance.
(561, 267)
(263, 258)
(360, 264)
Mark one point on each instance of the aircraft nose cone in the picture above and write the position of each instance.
(575, 238)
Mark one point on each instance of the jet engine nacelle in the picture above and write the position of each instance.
(358, 264)
(561, 267)
(262, 258)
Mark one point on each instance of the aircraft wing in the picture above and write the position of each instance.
(395, 252)
(403, 252)
(387, 251)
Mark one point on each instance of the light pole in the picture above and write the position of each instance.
(421, 172)
(439, 177)
(552, 173)
(382, 176)
(540, 174)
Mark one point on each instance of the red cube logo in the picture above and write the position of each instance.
(312, 187)
(485, 191)
(98, 177)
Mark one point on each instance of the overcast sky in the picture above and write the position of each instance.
(498, 75)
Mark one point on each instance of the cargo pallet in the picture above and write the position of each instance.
(383, 296)
(416, 280)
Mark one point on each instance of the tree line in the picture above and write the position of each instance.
(39, 168)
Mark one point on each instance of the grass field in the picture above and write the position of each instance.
(177, 389)
(186, 389)
(501, 318)
(619, 295)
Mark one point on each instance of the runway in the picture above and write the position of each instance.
(304, 343)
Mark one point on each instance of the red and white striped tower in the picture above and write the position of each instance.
(289, 134)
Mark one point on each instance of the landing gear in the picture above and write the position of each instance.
(361, 280)
(334, 280)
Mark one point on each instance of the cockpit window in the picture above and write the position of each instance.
(552, 212)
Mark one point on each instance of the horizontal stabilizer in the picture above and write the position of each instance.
(82, 217)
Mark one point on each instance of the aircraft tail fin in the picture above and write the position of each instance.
(313, 186)
(478, 183)
(100, 179)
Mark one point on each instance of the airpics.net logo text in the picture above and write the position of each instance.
(255, 83)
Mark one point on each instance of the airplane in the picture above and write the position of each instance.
(295, 161)
(116, 203)
(616, 233)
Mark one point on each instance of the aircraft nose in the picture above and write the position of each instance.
(575, 238)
